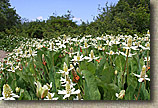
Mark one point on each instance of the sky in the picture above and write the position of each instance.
(83, 10)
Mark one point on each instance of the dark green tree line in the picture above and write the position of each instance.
(125, 17)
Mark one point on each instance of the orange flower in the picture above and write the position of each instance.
(21, 67)
(80, 49)
(76, 78)
(34, 66)
(44, 63)
(148, 68)
(99, 60)
(67, 52)
(45, 47)
(17, 60)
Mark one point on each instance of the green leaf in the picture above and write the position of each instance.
(91, 67)
(101, 66)
(133, 65)
(26, 95)
(88, 66)
(21, 94)
(91, 89)
(144, 92)
(129, 94)
(52, 78)
(107, 75)
(131, 89)
(119, 63)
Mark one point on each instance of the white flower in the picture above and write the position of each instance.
(129, 44)
(78, 57)
(129, 41)
(108, 43)
(13, 68)
(115, 41)
(147, 46)
(65, 69)
(74, 39)
(32, 52)
(142, 75)
(85, 44)
(18, 51)
(99, 47)
(91, 57)
(77, 98)
(50, 96)
(9, 62)
(69, 90)
(8, 93)
(52, 47)
(25, 54)
(61, 44)
(146, 59)
(129, 54)
(111, 53)
(121, 94)
(1, 66)
(89, 36)
(42, 92)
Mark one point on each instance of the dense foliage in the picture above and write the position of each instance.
(56, 59)
(82, 68)
(126, 17)
(8, 16)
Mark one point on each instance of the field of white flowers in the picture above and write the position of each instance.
(108, 67)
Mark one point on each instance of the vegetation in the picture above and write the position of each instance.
(81, 68)
(56, 59)
(126, 17)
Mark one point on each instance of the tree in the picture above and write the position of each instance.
(126, 17)
(8, 16)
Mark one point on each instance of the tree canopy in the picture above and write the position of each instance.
(8, 16)
(125, 17)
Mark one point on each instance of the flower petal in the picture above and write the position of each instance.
(117, 95)
(136, 75)
(67, 95)
(140, 79)
(147, 79)
(62, 92)
(76, 92)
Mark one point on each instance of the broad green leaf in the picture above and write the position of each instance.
(119, 63)
(92, 92)
(88, 66)
(133, 65)
(52, 78)
(101, 66)
(107, 75)
(145, 93)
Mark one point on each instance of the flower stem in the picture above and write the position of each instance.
(80, 89)
(34, 68)
(125, 67)
(53, 57)
(115, 81)
(145, 83)
(110, 60)
(139, 91)
(47, 70)
(147, 59)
